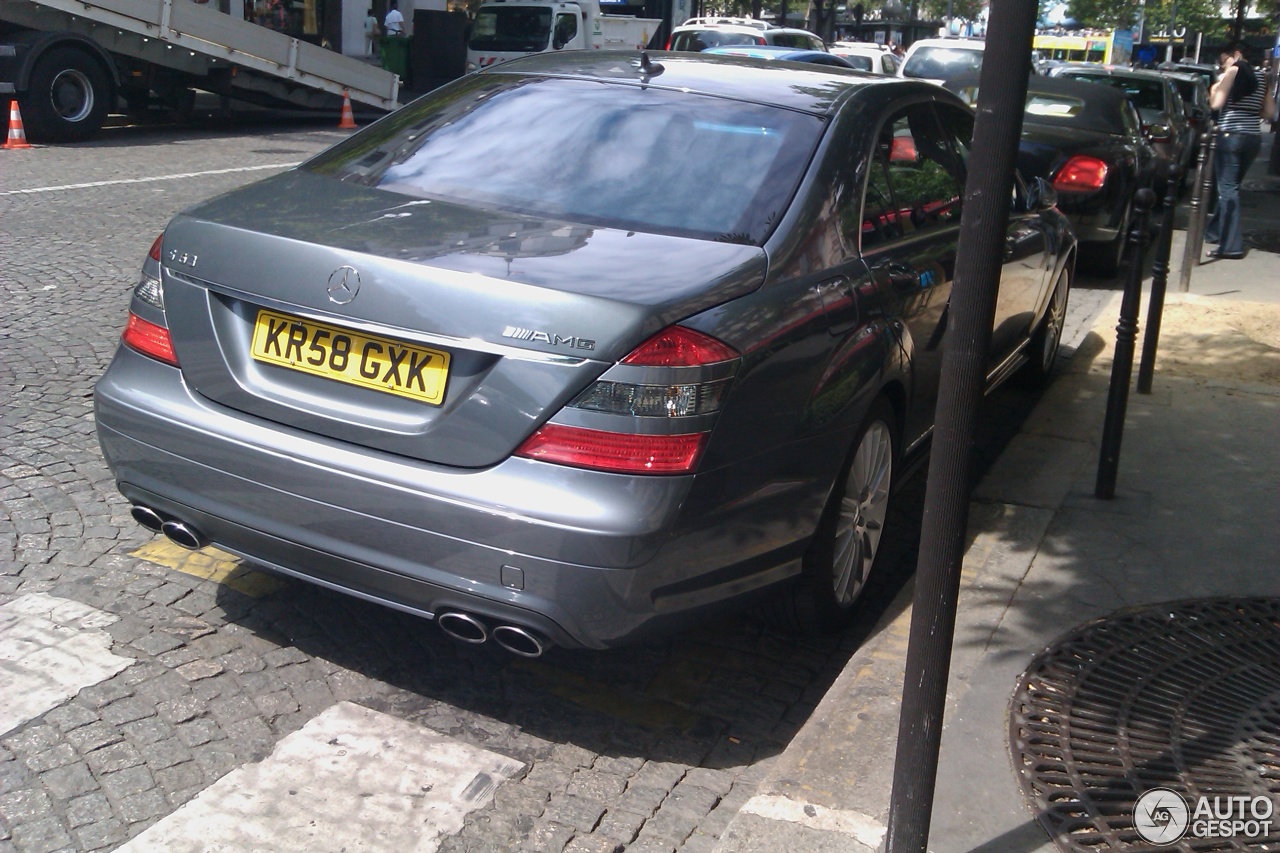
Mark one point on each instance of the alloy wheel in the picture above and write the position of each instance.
(862, 512)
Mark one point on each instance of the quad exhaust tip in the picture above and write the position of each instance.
(470, 629)
(178, 532)
(519, 641)
(147, 517)
(463, 626)
(184, 534)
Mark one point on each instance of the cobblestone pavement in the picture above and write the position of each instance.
(651, 748)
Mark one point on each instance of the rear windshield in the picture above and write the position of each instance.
(862, 63)
(939, 63)
(1143, 94)
(619, 155)
(699, 40)
(522, 29)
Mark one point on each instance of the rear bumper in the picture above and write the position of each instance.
(1090, 219)
(585, 558)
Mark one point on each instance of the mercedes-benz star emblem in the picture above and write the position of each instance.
(344, 284)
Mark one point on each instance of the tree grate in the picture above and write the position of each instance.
(1184, 695)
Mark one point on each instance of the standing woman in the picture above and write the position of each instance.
(1239, 96)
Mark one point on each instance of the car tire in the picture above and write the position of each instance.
(842, 554)
(68, 97)
(1042, 351)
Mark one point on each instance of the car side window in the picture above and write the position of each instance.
(880, 222)
(957, 124)
(921, 164)
(913, 178)
(887, 65)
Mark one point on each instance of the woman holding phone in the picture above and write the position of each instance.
(1239, 96)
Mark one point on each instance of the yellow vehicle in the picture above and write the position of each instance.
(1113, 47)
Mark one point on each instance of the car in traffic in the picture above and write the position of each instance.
(510, 359)
(1087, 141)
(1207, 72)
(1195, 98)
(785, 54)
(698, 36)
(936, 59)
(867, 56)
(1159, 105)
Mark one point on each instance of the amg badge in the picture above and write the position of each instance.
(542, 337)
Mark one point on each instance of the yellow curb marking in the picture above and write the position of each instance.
(210, 564)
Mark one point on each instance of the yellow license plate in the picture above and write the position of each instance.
(382, 364)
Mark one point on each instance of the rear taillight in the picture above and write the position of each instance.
(663, 396)
(620, 452)
(1081, 174)
(154, 254)
(677, 346)
(149, 339)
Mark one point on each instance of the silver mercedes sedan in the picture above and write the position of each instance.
(577, 350)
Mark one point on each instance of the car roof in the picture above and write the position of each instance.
(755, 23)
(810, 88)
(963, 43)
(1103, 105)
(872, 49)
(1111, 70)
(779, 52)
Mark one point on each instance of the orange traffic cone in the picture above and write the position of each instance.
(17, 136)
(348, 121)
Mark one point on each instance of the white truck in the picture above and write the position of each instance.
(68, 61)
(509, 29)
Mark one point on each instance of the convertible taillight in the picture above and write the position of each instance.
(663, 417)
(149, 339)
(1081, 174)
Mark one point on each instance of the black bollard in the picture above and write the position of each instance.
(1159, 283)
(1201, 197)
(1122, 364)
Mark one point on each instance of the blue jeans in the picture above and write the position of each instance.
(1232, 158)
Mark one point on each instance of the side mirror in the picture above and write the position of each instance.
(1041, 195)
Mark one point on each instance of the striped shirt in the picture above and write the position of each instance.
(1243, 115)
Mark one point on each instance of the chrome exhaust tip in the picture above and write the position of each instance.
(519, 641)
(147, 517)
(185, 535)
(463, 626)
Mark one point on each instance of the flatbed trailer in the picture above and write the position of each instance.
(68, 61)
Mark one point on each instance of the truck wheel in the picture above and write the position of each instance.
(68, 98)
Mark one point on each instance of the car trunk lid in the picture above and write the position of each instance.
(496, 319)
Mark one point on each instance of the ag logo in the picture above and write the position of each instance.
(1161, 816)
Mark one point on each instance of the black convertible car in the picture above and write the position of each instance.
(1088, 141)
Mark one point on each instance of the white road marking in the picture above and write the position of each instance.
(148, 180)
(352, 779)
(51, 648)
(866, 830)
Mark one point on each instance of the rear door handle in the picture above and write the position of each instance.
(839, 303)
